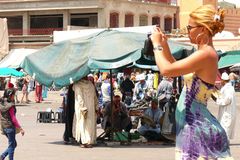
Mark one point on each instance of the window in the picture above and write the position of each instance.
(143, 20)
(87, 20)
(45, 24)
(15, 25)
(155, 20)
(168, 24)
(46, 21)
(128, 20)
(114, 20)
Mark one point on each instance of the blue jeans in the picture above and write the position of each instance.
(12, 144)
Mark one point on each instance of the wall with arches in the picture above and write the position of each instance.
(232, 21)
(141, 14)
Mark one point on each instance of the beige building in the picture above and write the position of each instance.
(35, 20)
(186, 7)
(232, 18)
(38, 17)
(232, 21)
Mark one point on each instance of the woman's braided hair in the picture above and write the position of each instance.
(210, 18)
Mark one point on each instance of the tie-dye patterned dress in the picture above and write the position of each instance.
(199, 134)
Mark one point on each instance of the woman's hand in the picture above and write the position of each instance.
(157, 37)
(22, 131)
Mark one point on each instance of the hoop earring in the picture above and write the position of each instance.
(202, 39)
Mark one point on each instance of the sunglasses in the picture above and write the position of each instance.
(191, 27)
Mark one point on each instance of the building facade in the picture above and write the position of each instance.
(42, 17)
(232, 21)
(185, 9)
(232, 17)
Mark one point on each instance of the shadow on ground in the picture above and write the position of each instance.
(118, 145)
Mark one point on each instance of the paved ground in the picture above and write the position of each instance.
(44, 141)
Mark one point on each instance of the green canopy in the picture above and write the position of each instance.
(68, 61)
(229, 58)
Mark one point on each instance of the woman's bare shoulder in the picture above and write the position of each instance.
(209, 67)
(210, 52)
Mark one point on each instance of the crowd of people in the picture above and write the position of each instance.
(88, 103)
(127, 88)
(25, 85)
(90, 100)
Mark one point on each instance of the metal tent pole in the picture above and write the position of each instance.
(111, 94)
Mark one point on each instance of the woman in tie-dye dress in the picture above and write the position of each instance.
(199, 134)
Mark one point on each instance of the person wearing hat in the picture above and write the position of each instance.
(116, 116)
(233, 78)
(90, 77)
(150, 79)
(150, 122)
(227, 106)
(140, 88)
(11, 86)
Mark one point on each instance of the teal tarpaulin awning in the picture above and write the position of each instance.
(68, 61)
(6, 72)
(229, 58)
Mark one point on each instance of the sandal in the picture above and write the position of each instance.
(84, 146)
(89, 146)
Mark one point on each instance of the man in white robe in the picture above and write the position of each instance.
(86, 107)
(227, 106)
(150, 78)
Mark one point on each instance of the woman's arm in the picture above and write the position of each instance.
(15, 121)
(166, 51)
(195, 62)
(169, 67)
(13, 118)
(160, 39)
